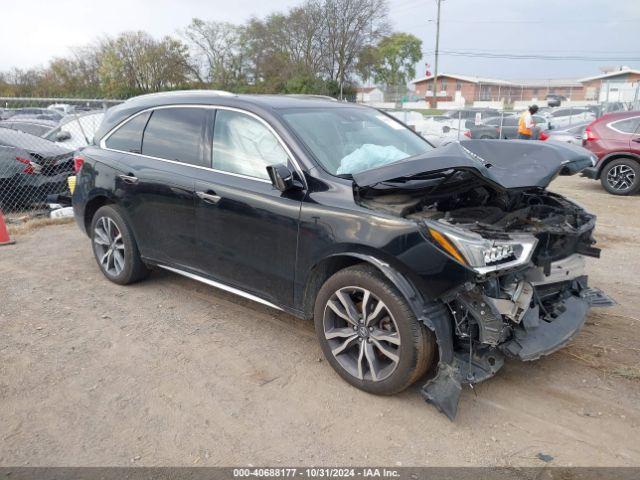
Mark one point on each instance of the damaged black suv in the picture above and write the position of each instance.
(411, 260)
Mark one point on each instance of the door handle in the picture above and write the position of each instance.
(128, 179)
(637, 140)
(211, 198)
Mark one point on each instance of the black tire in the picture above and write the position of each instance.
(134, 268)
(417, 349)
(615, 173)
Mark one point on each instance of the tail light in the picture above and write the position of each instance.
(31, 167)
(467, 133)
(78, 162)
(588, 135)
(543, 136)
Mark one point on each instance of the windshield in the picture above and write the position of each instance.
(351, 139)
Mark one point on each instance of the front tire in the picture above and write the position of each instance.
(621, 177)
(115, 248)
(368, 332)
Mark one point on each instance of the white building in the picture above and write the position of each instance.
(369, 95)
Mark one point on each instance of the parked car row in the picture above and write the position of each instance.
(36, 152)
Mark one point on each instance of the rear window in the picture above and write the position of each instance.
(176, 134)
(128, 138)
(628, 125)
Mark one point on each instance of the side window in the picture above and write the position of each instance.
(128, 138)
(176, 134)
(244, 145)
(630, 125)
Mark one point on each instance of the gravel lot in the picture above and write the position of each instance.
(172, 372)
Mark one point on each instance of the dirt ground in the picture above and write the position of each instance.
(173, 372)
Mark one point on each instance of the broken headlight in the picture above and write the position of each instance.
(484, 255)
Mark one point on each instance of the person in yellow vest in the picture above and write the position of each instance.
(526, 124)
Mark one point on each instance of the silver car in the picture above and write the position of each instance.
(568, 135)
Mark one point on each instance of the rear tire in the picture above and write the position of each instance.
(621, 177)
(367, 343)
(115, 248)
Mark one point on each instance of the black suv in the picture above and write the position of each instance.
(408, 258)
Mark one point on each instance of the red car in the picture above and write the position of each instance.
(615, 139)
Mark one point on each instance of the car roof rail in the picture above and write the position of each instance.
(221, 93)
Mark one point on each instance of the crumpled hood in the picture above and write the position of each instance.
(510, 164)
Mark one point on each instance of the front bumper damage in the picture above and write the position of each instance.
(524, 315)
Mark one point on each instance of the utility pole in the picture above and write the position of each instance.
(435, 71)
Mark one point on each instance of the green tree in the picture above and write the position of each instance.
(134, 62)
(394, 59)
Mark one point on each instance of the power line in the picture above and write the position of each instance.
(525, 56)
(537, 21)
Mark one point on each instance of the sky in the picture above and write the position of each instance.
(596, 33)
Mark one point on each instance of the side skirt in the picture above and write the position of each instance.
(221, 286)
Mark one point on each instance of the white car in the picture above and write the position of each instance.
(76, 130)
(564, 117)
(63, 108)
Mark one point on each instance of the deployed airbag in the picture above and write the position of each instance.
(369, 156)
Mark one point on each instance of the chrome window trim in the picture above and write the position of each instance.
(610, 125)
(287, 150)
(221, 286)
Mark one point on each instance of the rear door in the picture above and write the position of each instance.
(247, 230)
(622, 135)
(634, 141)
(163, 152)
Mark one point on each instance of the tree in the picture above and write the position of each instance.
(134, 62)
(218, 52)
(317, 47)
(349, 27)
(394, 58)
(366, 62)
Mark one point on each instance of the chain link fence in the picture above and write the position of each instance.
(38, 141)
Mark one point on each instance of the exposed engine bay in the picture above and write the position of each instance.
(527, 247)
(560, 226)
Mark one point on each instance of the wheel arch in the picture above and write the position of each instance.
(615, 156)
(433, 314)
(92, 207)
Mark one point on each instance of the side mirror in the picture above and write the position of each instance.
(62, 136)
(282, 178)
(446, 129)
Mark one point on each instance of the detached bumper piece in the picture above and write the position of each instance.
(444, 390)
(597, 298)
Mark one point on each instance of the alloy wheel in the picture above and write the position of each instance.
(362, 334)
(621, 177)
(109, 246)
